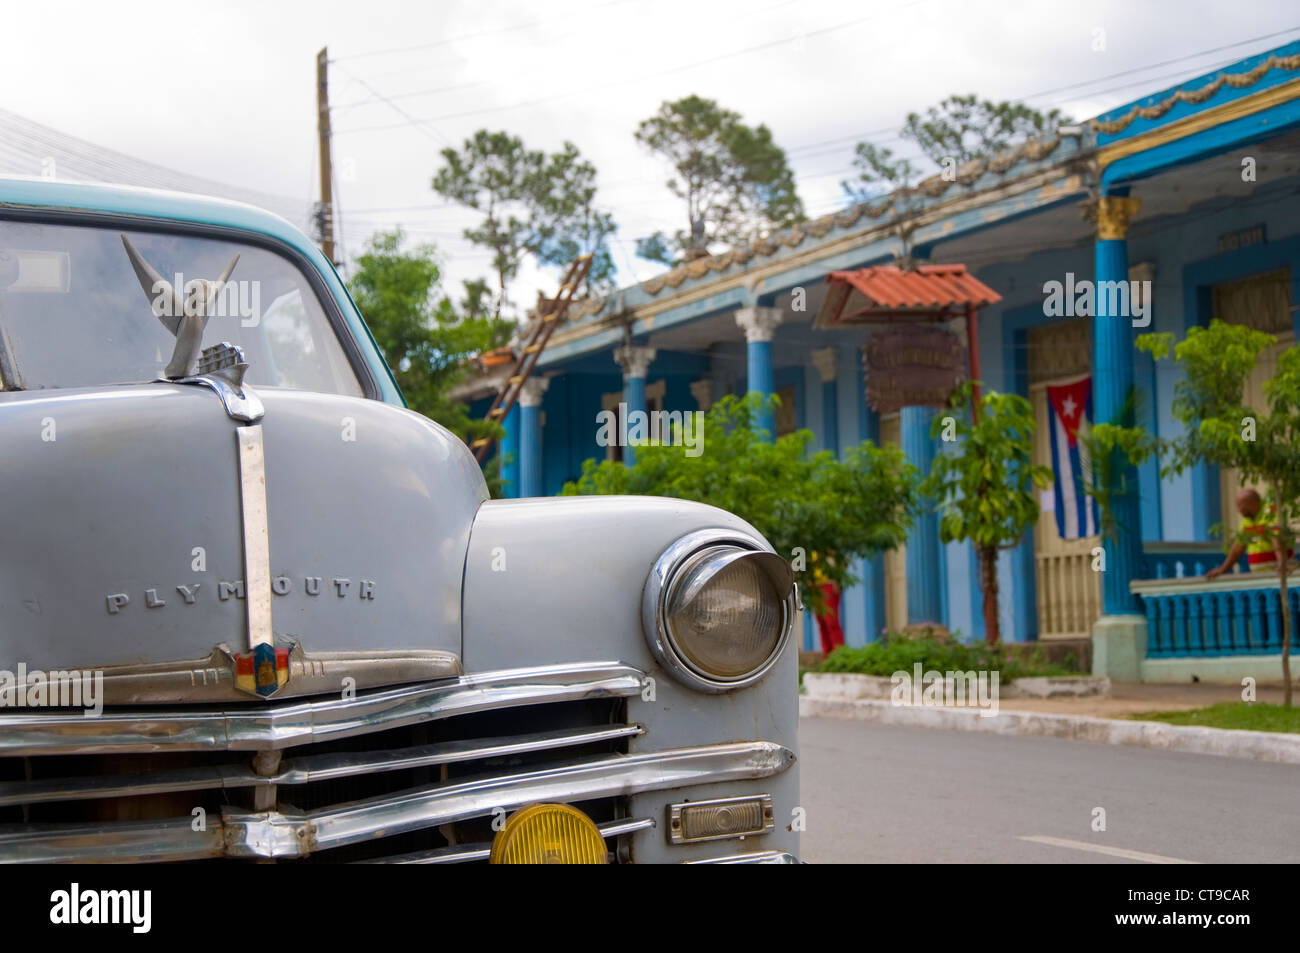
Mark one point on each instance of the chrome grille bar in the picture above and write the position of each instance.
(256, 729)
(619, 775)
(124, 842)
(302, 770)
(276, 834)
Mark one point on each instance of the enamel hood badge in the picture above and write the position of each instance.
(264, 669)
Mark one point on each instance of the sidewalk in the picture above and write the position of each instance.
(1128, 698)
(1100, 720)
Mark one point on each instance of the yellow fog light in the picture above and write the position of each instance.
(549, 834)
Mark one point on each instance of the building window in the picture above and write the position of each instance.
(654, 395)
(610, 402)
(787, 415)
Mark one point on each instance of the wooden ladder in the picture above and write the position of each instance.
(551, 312)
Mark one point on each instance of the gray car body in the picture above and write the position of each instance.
(139, 475)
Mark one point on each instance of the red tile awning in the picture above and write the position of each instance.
(888, 293)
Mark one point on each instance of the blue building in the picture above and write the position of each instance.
(1192, 193)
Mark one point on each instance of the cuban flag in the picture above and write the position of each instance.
(1071, 412)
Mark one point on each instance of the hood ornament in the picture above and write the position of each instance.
(185, 312)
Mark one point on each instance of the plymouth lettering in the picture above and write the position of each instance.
(236, 589)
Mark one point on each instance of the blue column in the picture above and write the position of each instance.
(827, 364)
(530, 437)
(634, 397)
(635, 362)
(759, 367)
(759, 324)
(924, 574)
(873, 570)
(510, 454)
(1112, 383)
(830, 418)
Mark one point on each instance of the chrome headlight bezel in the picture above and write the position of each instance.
(660, 585)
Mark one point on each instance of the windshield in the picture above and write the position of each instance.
(75, 313)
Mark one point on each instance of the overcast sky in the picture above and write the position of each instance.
(226, 90)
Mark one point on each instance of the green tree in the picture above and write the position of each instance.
(426, 339)
(734, 179)
(1110, 447)
(957, 130)
(567, 221)
(531, 204)
(493, 174)
(967, 127)
(803, 503)
(985, 488)
(879, 170)
(1262, 443)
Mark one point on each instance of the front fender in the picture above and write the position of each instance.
(559, 580)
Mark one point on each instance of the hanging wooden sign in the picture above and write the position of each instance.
(912, 365)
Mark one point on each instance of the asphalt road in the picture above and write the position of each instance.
(886, 793)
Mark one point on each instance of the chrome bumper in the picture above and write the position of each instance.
(761, 857)
(283, 833)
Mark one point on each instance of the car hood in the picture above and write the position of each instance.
(122, 540)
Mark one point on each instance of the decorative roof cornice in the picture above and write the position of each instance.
(1236, 80)
(933, 187)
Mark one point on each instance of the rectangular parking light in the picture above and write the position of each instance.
(694, 821)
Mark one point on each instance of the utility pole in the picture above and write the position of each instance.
(326, 212)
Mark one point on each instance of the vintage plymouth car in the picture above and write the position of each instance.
(252, 607)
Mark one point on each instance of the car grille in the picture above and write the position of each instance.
(418, 774)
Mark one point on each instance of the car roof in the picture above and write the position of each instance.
(38, 193)
(33, 192)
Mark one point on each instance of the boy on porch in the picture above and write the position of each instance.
(1261, 553)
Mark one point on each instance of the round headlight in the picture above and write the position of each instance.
(718, 610)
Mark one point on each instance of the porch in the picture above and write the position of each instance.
(1221, 630)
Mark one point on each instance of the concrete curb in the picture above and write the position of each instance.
(850, 686)
(1253, 745)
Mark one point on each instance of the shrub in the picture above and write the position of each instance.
(896, 651)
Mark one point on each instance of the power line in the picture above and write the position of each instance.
(637, 79)
(427, 92)
(802, 152)
(849, 170)
(410, 94)
(481, 33)
(1151, 66)
(420, 124)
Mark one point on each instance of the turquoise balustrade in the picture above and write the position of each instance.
(1181, 560)
(1235, 614)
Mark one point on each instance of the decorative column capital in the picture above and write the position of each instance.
(530, 395)
(1112, 215)
(824, 360)
(635, 361)
(702, 391)
(1142, 271)
(759, 324)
